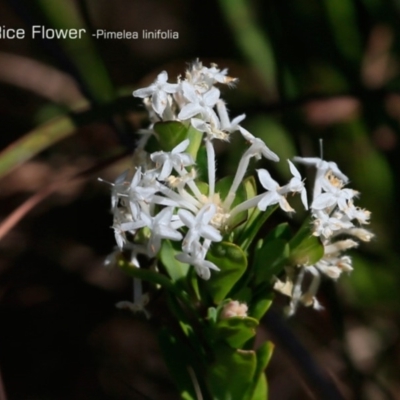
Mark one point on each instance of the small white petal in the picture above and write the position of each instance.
(189, 111)
(294, 170)
(266, 180)
(181, 147)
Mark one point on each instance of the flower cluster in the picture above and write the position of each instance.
(337, 222)
(169, 197)
(164, 199)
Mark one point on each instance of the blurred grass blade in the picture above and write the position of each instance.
(343, 20)
(82, 52)
(251, 39)
(57, 129)
(34, 142)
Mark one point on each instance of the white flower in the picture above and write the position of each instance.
(137, 306)
(199, 104)
(158, 92)
(323, 167)
(199, 226)
(334, 249)
(325, 225)
(214, 74)
(357, 213)
(333, 267)
(175, 159)
(161, 228)
(140, 194)
(361, 234)
(119, 188)
(212, 131)
(120, 220)
(333, 196)
(197, 259)
(273, 196)
(296, 185)
(258, 148)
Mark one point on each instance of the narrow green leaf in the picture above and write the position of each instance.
(281, 231)
(35, 141)
(177, 357)
(82, 52)
(252, 40)
(232, 263)
(270, 259)
(342, 17)
(259, 388)
(261, 301)
(55, 130)
(251, 230)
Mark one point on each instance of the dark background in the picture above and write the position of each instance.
(307, 70)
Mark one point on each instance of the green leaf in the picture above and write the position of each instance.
(305, 249)
(188, 324)
(176, 269)
(243, 295)
(261, 301)
(201, 166)
(270, 259)
(232, 373)
(251, 229)
(236, 331)
(250, 187)
(282, 231)
(170, 134)
(232, 262)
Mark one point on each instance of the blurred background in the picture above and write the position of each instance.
(307, 70)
